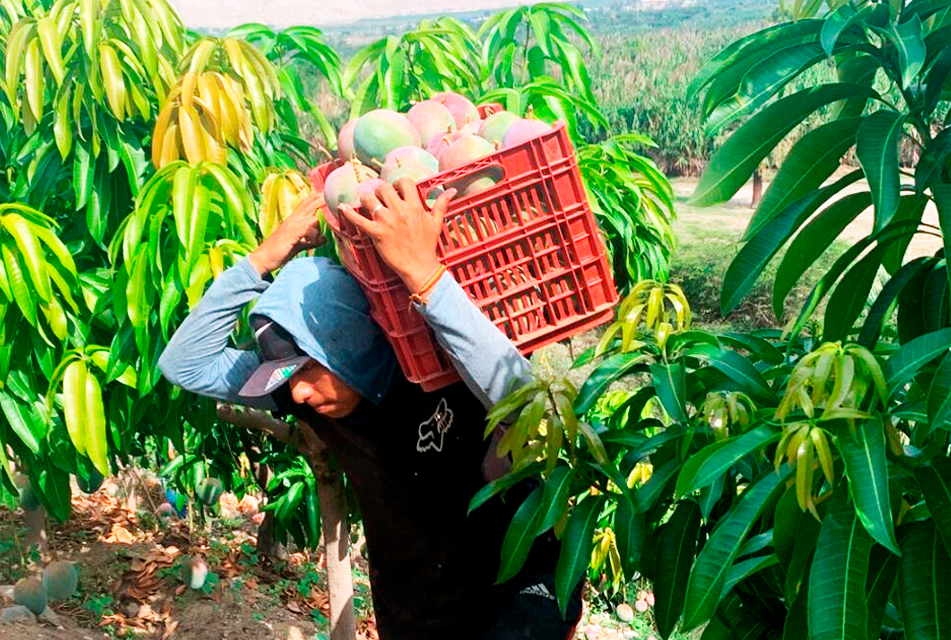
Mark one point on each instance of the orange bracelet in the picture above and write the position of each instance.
(433, 279)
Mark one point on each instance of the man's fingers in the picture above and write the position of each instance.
(371, 203)
(442, 204)
(310, 204)
(365, 225)
(408, 191)
(387, 194)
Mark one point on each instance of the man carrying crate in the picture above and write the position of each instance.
(414, 459)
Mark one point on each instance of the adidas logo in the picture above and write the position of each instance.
(538, 590)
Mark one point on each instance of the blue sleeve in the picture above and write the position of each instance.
(198, 358)
(488, 362)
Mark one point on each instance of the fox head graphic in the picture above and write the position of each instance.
(432, 433)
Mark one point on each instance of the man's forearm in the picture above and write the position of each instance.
(197, 357)
(486, 359)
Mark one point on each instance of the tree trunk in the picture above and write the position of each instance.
(336, 532)
(757, 189)
(333, 508)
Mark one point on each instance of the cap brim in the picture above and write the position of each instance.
(271, 375)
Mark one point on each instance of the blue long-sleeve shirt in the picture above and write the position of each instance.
(199, 359)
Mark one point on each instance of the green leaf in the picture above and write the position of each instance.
(934, 478)
(850, 296)
(676, 545)
(884, 238)
(812, 241)
(924, 591)
(941, 192)
(939, 396)
(883, 567)
(670, 382)
(708, 577)
(21, 422)
(863, 450)
(814, 158)
(739, 156)
(910, 209)
(908, 38)
(648, 495)
(745, 568)
(726, 70)
(905, 363)
(601, 378)
(54, 490)
(711, 462)
(520, 535)
(735, 621)
(738, 369)
(837, 608)
(555, 498)
(750, 261)
(857, 69)
(15, 272)
(877, 151)
(501, 484)
(576, 546)
(630, 531)
(885, 303)
(764, 80)
(933, 159)
(835, 25)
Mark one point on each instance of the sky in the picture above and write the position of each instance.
(220, 14)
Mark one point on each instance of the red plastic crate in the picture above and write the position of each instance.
(527, 251)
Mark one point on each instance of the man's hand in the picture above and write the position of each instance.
(404, 232)
(299, 231)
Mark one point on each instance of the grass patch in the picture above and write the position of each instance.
(708, 241)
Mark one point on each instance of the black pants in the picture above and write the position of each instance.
(531, 611)
(526, 608)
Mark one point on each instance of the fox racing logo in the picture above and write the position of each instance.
(432, 433)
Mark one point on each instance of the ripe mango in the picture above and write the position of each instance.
(341, 184)
(430, 118)
(523, 130)
(494, 127)
(462, 109)
(379, 132)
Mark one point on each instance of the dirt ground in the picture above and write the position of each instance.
(131, 582)
(131, 585)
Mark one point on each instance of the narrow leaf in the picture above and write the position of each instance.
(863, 450)
(877, 151)
(837, 607)
(576, 548)
(676, 544)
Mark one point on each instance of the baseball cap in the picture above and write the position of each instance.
(282, 358)
(315, 310)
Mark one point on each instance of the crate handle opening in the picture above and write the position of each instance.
(460, 183)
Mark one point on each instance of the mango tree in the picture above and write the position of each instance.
(774, 483)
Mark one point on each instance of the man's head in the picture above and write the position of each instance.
(314, 331)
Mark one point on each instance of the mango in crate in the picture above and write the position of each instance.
(494, 127)
(523, 130)
(342, 184)
(430, 118)
(462, 109)
(379, 132)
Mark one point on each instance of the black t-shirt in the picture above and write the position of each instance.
(414, 462)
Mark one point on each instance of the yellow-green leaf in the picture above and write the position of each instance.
(74, 403)
(96, 426)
